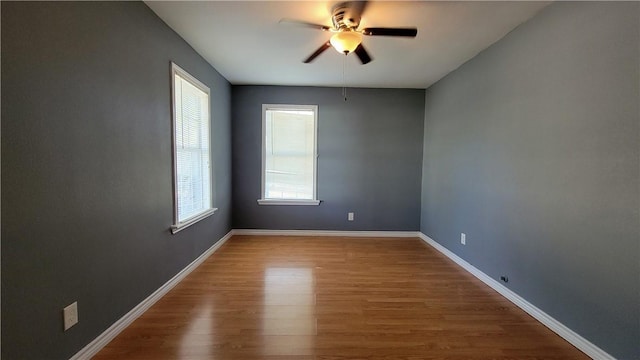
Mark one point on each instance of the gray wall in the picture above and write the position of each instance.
(370, 154)
(86, 168)
(532, 150)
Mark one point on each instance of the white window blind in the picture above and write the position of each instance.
(192, 153)
(289, 152)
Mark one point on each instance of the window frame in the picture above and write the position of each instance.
(210, 210)
(274, 201)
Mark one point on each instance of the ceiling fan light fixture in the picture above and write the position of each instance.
(346, 41)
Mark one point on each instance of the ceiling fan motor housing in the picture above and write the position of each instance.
(344, 17)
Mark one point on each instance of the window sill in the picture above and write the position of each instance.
(185, 224)
(287, 202)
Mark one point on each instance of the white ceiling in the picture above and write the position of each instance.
(245, 43)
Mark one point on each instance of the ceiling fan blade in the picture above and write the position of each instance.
(375, 31)
(362, 54)
(304, 24)
(320, 50)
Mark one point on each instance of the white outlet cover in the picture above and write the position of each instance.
(463, 238)
(350, 216)
(70, 315)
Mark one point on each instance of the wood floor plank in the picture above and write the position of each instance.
(333, 298)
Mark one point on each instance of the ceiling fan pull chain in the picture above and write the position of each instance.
(344, 78)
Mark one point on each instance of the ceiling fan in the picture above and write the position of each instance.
(347, 37)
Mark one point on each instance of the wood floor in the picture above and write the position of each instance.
(263, 297)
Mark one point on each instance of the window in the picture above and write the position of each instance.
(289, 155)
(192, 180)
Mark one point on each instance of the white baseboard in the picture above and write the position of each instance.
(103, 339)
(326, 233)
(571, 336)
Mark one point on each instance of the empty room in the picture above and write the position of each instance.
(320, 180)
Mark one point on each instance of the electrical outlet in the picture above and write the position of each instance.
(70, 315)
(463, 238)
(350, 216)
